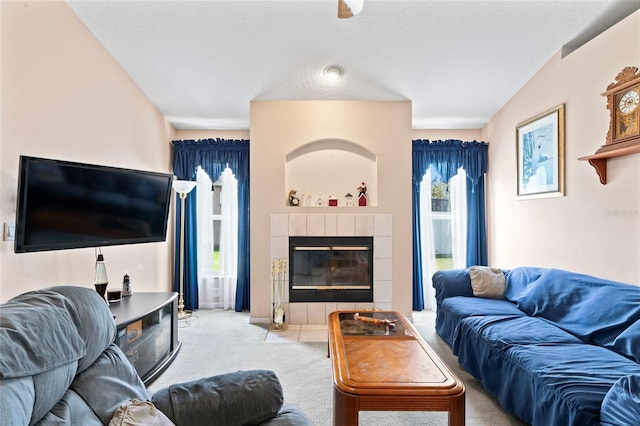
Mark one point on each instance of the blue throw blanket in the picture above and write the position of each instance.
(574, 302)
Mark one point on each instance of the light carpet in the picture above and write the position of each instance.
(217, 342)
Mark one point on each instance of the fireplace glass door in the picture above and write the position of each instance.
(336, 269)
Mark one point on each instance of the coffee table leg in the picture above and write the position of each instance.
(345, 409)
(456, 411)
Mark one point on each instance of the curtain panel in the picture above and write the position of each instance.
(213, 155)
(447, 157)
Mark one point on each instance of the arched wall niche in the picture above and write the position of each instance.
(331, 168)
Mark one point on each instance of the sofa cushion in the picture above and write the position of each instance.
(93, 319)
(573, 302)
(621, 405)
(70, 410)
(109, 383)
(556, 384)
(454, 309)
(502, 332)
(570, 379)
(50, 386)
(483, 341)
(239, 398)
(487, 282)
(17, 397)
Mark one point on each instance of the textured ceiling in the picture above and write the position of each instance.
(202, 62)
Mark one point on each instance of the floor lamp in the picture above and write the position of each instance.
(182, 187)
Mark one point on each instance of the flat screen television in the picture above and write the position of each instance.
(66, 205)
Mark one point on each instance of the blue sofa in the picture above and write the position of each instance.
(59, 366)
(557, 348)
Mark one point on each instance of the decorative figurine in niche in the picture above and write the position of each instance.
(333, 202)
(319, 200)
(293, 200)
(348, 199)
(362, 194)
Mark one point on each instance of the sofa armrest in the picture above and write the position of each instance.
(233, 399)
(450, 283)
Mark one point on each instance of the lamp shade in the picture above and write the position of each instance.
(183, 186)
(349, 8)
(355, 6)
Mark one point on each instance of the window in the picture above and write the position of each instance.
(217, 239)
(441, 222)
(216, 222)
(443, 226)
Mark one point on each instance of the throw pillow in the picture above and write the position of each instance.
(487, 282)
(139, 413)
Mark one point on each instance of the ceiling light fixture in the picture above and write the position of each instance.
(333, 72)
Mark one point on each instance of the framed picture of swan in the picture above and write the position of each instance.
(540, 155)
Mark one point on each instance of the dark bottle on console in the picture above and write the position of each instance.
(101, 281)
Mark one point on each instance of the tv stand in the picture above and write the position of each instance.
(147, 331)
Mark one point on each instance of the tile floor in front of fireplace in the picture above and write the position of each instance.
(320, 332)
(299, 333)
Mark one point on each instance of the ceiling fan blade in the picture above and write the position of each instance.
(349, 8)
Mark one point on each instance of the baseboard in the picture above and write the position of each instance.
(258, 320)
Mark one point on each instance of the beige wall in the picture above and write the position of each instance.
(595, 228)
(466, 135)
(277, 128)
(63, 96)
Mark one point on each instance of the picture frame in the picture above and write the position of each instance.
(540, 155)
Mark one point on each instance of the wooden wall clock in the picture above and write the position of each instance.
(623, 102)
(623, 137)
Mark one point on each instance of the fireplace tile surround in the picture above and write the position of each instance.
(282, 226)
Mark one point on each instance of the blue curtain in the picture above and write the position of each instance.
(213, 155)
(447, 157)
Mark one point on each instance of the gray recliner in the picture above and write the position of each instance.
(59, 366)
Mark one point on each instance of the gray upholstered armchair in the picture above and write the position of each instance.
(59, 366)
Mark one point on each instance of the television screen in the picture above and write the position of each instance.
(64, 205)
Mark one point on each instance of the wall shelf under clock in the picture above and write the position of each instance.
(599, 159)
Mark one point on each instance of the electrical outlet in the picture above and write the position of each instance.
(9, 231)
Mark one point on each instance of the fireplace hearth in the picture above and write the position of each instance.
(331, 269)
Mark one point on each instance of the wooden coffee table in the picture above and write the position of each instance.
(388, 369)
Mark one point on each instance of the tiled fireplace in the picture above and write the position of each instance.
(376, 226)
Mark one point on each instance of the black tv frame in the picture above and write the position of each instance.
(23, 245)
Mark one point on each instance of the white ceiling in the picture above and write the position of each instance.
(202, 62)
